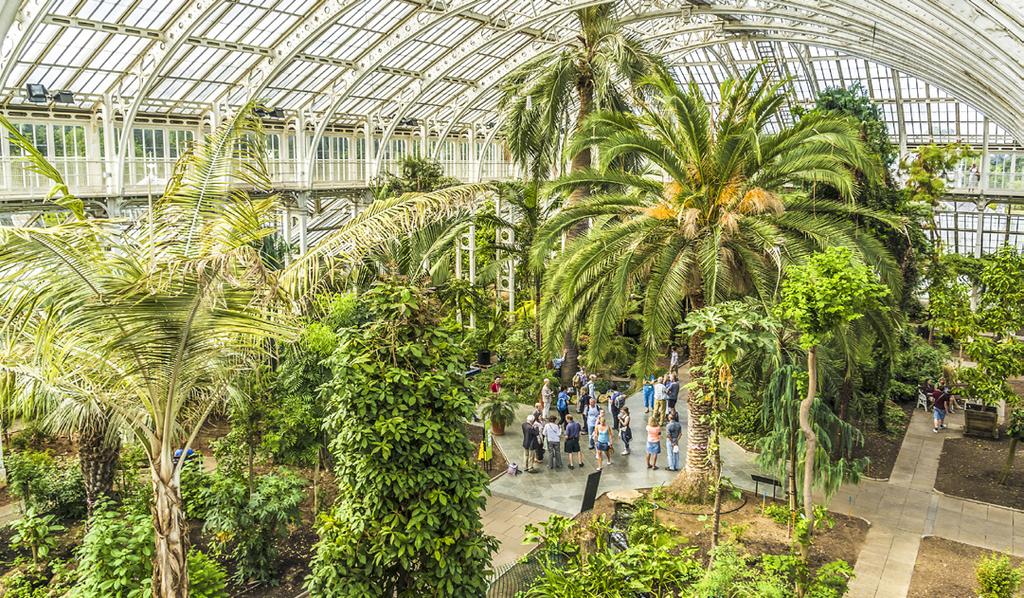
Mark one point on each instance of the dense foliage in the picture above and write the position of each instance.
(407, 518)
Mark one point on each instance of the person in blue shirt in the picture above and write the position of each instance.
(562, 405)
(649, 394)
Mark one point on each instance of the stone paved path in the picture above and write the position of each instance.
(906, 507)
(901, 510)
(506, 519)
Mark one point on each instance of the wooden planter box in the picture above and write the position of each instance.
(981, 420)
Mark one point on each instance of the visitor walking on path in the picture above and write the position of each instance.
(553, 434)
(592, 387)
(673, 431)
(653, 443)
(602, 438)
(659, 401)
(562, 406)
(625, 433)
(649, 394)
(672, 392)
(615, 403)
(572, 441)
(529, 443)
(673, 361)
(593, 412)
(939, 410)
(545, 396)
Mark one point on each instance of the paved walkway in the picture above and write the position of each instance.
(561, 490)
(901, 510)
(906, 507)
(505, 519)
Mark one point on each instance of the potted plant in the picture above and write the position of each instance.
(500, 409)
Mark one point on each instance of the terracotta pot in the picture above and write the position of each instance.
(497, 429)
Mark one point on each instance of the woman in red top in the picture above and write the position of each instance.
(496, 385)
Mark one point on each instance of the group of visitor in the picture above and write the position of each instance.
(580, 416)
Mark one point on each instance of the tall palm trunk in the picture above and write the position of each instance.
(170, 527)
(810, 445)
(698, 430)
(581, 161)
(98, 454)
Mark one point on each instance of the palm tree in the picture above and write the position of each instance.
(732, 204)
(546, 100)
(165, 314)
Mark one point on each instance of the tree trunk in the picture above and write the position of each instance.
(581, 161)
(716, 522)
(98, 454)
(845, 394)
(810, 446)
(791, 489)
(170, 527)
(1008, 467)
(252, 469)
(698, 431)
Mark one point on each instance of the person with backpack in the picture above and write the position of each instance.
(572, 441)
(562, 405)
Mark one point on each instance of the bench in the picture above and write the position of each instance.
(760, 479)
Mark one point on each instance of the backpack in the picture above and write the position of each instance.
(563, 404)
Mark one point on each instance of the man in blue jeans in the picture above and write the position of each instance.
(939, 409)
(649, 394)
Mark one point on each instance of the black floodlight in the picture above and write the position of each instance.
(64, 97)
(36, 93)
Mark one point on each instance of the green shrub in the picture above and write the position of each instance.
(919, 361)
(24, 584)
(206, 577)
(35, 534)
(248, 529)
(115, 559)
(777, 512)
(46, 484)
(743, 422)
(997, 578)
(194, 486)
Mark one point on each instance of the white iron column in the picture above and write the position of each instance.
(111, 176)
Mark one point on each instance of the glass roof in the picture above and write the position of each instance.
(937, 68)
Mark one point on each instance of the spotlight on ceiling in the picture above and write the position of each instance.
(36, 93)
(263, 112)
(64, 97)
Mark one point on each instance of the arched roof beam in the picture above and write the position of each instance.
(18, 25)
(344, 85)
(817, 16)
(151, 67)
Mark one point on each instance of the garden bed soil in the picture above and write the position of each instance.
(753, 531)
(882, 448)
(946, 568)
(293, 560)
(971, 467)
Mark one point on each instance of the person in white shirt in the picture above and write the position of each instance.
(545, 396)
(553, 435)
(673, 361)
(659, 401)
